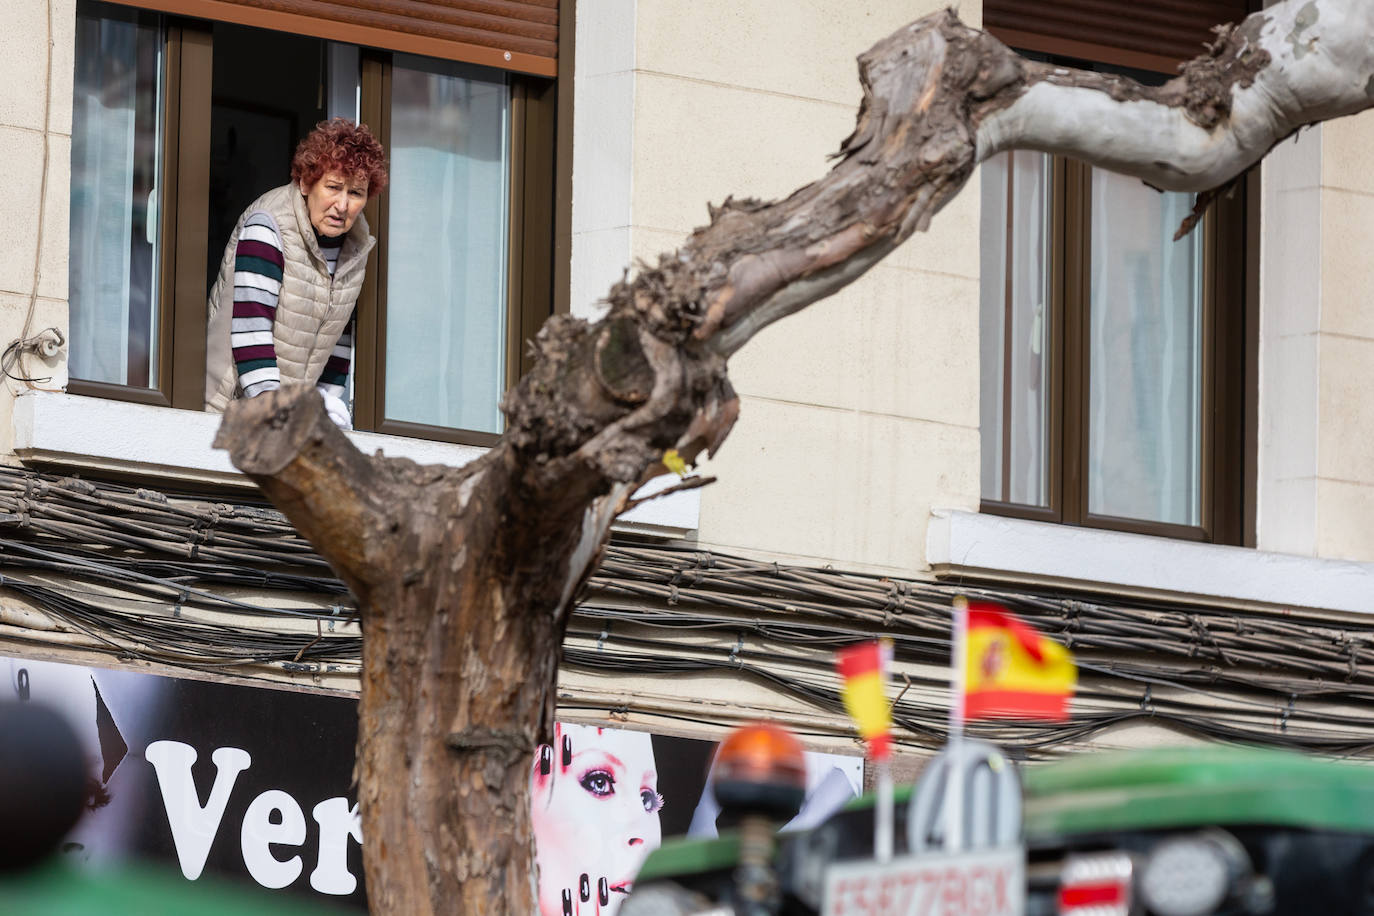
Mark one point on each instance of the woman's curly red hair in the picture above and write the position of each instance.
(340, 145)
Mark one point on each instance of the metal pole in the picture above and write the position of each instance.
(954, 795)
(882, 821)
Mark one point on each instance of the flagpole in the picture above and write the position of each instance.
(954, 804)
(882, 822)
(863, 670)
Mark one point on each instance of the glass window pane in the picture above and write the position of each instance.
(344, 81)
(446, 247)
(1014, 328)
(991, 319)
(1145, 394)
(116, 162)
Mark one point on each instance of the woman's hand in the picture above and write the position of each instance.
(337, 410)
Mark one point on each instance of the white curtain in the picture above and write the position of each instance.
(1015, 352)
(107, 203)
(992, 229)
(1144, 429)
(447, 252)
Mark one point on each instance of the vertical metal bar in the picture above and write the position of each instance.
(1007, 323)
(167, 209)
(1055, 343)
(1208, 416)
(540, 217)
(191, 243)
(1077, 329)
(374, 80)
(563, 154)
(1248, 406)
(515, 228)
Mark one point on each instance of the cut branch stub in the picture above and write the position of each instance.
(264, 436)
(621, 366)
(329, 490)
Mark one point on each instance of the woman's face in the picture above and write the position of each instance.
(334, 203)
(595, 809)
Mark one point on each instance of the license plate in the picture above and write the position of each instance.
(986, 882)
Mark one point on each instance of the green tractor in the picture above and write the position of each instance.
(1162, 832)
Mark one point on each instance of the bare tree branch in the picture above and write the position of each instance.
(1293, 64)
(940, 97)
(687, 483)
(465, 577)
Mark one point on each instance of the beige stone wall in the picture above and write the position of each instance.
(36, 47)
(1345, 442)
(861, 413)
(1316, 488)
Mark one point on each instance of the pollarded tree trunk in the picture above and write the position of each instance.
(446, 565)
(465, 578)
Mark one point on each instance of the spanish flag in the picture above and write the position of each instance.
(864, 671)
(1011, 671)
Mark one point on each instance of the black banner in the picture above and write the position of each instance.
(255, 784)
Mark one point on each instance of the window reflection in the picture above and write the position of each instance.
(116, 139)
(446, 248)
(1015, 327)
(1144, 423)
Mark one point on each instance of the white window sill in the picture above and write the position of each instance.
(972, 545)
(72, 431)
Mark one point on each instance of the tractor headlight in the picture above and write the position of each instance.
(1192, 875)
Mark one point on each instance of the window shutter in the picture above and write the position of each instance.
(1153, 35)
(517, 35)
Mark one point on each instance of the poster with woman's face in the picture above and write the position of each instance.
(208, 779)
(602, 799)
(595, 807)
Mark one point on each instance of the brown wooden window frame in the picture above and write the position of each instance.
(184, 201)
(1228, 407)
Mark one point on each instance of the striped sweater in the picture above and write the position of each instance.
(258, 265)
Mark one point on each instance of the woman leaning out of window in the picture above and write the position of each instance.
(281, 308)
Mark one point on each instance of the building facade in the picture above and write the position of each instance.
(1159, 453)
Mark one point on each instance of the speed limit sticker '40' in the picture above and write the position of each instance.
(985, 882)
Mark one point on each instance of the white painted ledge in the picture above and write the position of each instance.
(161, 443)
(969, 544)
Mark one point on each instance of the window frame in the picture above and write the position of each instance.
(184, 235)
(183, 230)
(1228, 410)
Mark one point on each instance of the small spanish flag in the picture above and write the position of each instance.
(1011, 671)
(864, 670)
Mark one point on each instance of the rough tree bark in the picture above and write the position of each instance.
(465, 577)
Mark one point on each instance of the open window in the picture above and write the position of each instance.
(180, 123)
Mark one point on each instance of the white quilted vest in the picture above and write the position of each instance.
(313, 310)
